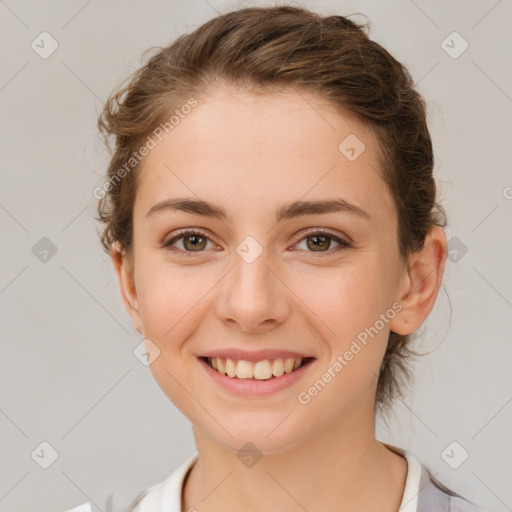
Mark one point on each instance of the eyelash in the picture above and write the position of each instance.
(190, 254)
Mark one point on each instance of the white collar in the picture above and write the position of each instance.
(409, 501)
(167, 494)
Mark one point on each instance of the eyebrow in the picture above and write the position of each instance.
(292, 210)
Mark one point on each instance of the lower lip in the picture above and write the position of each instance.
(246, 387)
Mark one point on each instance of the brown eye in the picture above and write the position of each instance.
(195, 242)
(189, 241)
(321, 241)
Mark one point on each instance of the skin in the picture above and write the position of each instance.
(251, 154)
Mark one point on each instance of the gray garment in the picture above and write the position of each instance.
(433, 496)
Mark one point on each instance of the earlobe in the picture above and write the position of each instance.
(422, 283)
(123, 266)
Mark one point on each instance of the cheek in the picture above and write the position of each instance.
(347, 377)
(346, 299)
(169, 298)
(348, 307)
(173, 304)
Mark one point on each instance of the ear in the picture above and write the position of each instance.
(123, 265)
(421, 282)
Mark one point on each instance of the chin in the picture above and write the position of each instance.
(266, 436)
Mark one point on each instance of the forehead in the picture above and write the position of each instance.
(254, 151)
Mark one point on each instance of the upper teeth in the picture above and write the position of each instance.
(260, 370)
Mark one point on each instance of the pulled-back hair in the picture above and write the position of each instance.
(262, 50)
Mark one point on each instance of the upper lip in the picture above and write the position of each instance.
(254, 355)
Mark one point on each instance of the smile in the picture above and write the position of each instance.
(256, 370)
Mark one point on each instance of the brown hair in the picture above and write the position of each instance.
(263, 50)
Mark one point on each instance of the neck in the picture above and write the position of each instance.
(343, 469)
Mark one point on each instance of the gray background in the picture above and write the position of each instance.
(68, 373)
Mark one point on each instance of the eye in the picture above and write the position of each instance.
(196, 241)
(320, 241)
(190, 241)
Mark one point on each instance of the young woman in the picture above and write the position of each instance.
(271, 214)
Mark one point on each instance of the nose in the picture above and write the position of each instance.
(253, 296)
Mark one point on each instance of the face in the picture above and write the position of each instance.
(259, 275)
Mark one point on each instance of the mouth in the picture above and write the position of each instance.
(263, 370)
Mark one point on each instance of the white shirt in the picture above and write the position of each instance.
(422, 493)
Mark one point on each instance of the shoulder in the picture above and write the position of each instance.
(164, 496)
(423, 493)
(434, 496)
(115, 502)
